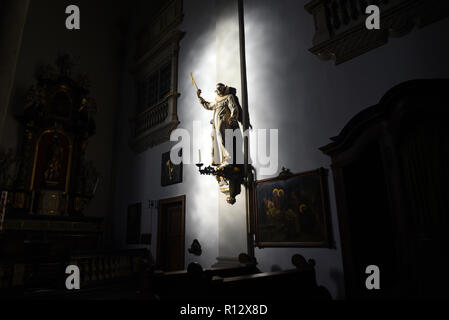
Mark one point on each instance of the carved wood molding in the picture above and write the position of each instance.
(340, 32)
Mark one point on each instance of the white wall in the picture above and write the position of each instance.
(139, 175)
(310, 100)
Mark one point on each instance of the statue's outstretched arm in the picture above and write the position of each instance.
(204, 103)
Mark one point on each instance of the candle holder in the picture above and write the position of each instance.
(231, 176)
(207, 171)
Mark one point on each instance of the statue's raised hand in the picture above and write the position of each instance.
(198, 93)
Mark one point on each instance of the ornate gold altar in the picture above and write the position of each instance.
(53, 177)
(49, 183)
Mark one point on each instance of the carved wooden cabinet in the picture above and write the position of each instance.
(390, 167)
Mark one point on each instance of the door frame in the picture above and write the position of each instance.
(160, 204)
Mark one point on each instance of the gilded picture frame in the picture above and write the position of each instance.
(170, 173)
(292, 210)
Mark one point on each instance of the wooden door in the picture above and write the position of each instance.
(171, 234)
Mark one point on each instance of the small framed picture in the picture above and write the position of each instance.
(170, 173)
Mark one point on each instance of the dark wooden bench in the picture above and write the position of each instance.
(193, 282)
(241, 283)
(282, 285)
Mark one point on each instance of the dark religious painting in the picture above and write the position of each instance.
(170, 173)
(133, 223)
(291, 210)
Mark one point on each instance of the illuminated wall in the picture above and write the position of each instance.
(139, 175)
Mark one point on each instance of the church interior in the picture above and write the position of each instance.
(208, 150)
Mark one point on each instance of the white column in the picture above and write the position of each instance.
(232, 239)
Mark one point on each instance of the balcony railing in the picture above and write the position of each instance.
(341, 33)
(151, 118)
(154, 125)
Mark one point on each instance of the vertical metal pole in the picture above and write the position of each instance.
(248, 181)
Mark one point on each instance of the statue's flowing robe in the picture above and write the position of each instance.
(225, 107)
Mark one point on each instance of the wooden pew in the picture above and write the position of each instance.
(193, 282)
(241, 283)
(299, 283)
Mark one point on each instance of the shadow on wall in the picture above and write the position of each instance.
(337, 276)
(275, 268)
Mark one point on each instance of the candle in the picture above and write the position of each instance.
(199, 155)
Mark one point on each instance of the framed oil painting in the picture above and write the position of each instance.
(170, 173)
(291, 210)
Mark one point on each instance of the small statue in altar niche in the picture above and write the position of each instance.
(53, 171)
(226, 116)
